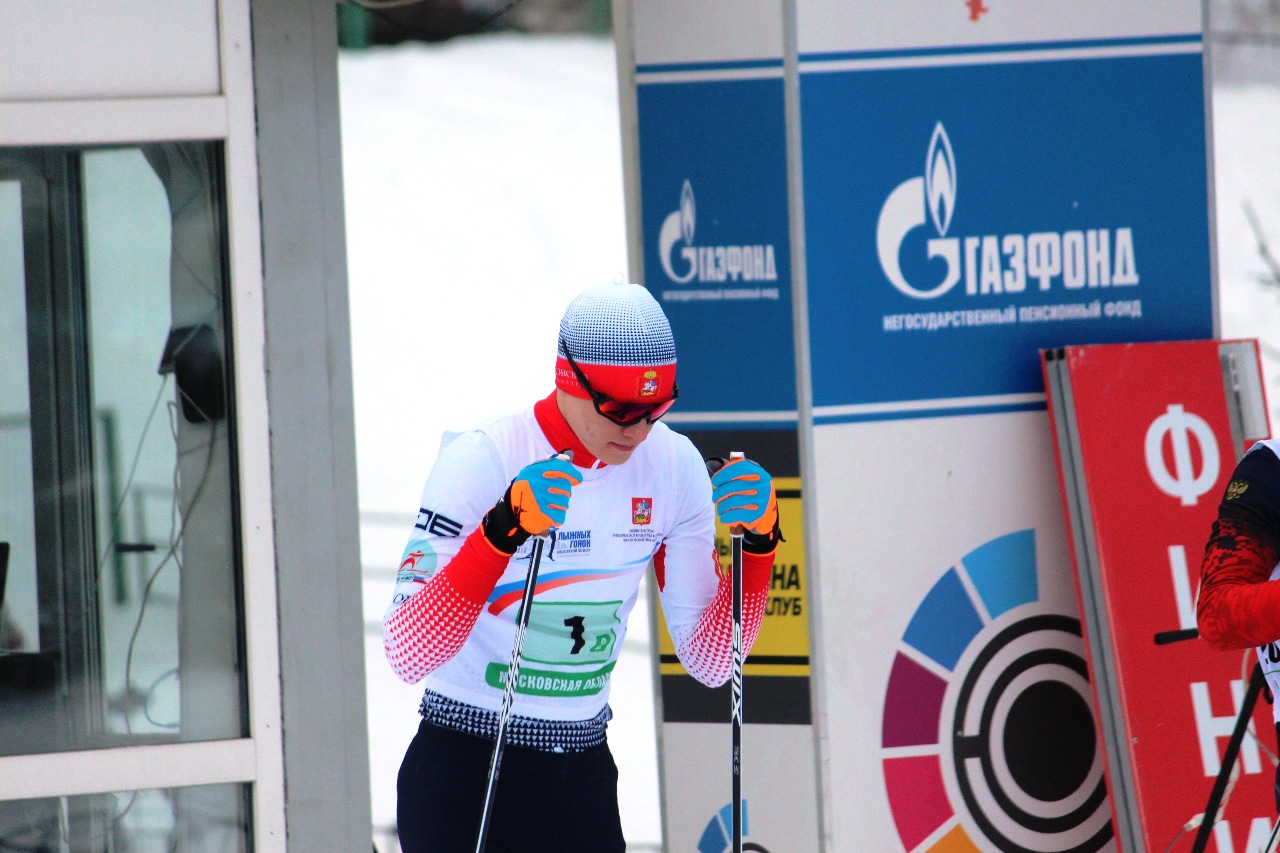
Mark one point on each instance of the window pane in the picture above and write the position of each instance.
(116, 451)
(166, 558)
(200, 819)
(18, 612)
(127, 271)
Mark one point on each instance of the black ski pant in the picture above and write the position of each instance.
(554, 802)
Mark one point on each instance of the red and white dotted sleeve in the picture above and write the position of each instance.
(428, 628)
(707, 651)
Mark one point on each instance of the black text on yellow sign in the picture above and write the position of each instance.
(782, 647)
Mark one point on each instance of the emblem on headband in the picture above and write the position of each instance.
(641, 510)
(649, 383)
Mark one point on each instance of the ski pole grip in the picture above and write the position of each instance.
(1163, 638)
(565, 455)
(736, 529)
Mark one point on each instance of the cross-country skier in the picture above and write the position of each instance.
(635, 493)
(1239, 604)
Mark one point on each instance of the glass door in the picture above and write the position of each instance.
(30, 642)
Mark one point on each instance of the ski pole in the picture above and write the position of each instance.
(1218, 792)
(735, 687)
(1256, 682)
(513, 676)
(1272, 840)
(735, 578)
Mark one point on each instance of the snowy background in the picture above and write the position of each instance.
(483, 183)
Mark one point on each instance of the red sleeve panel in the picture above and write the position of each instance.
(707, 654)
(430, 627)
(1238, 608)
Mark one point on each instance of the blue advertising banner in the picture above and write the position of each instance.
(960, 217)
(970, 184)
(716, 246)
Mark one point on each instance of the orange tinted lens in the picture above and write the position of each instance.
(627, 414)
(661, 409)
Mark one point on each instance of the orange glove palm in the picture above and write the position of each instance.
(539, 495)
(535, 502)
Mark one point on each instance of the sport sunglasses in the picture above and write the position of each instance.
(621, 413)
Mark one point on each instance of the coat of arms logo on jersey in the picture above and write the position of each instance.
(641, 510)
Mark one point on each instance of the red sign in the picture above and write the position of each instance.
(1154, 452)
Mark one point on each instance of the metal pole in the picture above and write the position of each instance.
(735, 578)
(508, 691)
(1229, 759)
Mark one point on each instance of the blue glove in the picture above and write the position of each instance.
(539, 495)
(535, 502)
(743, 494)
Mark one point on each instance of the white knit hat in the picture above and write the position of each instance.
(619, 338)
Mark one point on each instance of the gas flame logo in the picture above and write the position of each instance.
(678, 225)
(940, 179)
(688, 213)
(905, 210)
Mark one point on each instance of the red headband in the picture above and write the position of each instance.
(628, 383)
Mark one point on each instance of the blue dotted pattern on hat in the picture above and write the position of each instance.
(617, 324)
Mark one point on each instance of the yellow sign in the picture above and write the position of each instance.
(782, 647)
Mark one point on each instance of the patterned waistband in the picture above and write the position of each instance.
(528, 732)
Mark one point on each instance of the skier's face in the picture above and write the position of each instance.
(606, 440)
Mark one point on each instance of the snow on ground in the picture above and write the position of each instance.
(483, 189)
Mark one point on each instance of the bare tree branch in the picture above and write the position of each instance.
(1264, 250)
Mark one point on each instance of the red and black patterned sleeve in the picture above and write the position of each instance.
(1239, 605)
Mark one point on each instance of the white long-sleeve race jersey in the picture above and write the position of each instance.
(452, 619)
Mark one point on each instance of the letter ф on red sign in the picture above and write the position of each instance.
(1145, 448)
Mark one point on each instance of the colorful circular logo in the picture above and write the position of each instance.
(988, 740)
(718, 838)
